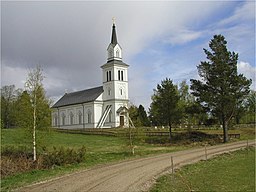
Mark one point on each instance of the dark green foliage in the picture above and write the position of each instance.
(139, 116)
(8, 105)
(221, 89)
(185, 138)
(134, 115)
(164, 108)
(143, 116)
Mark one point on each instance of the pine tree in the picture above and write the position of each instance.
(221, 88)
(164, 107)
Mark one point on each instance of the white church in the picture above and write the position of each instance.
(105, 106)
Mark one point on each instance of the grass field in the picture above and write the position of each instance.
(100, 150)
(229, 172)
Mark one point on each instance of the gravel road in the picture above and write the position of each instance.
(131, 175)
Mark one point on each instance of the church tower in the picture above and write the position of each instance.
(115, 86)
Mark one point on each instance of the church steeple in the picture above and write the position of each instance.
(114, 38)
(114, 49)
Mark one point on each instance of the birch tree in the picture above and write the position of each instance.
(33, 86)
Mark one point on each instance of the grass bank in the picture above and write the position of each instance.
(228, 172)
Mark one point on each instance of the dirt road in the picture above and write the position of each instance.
(132, 175)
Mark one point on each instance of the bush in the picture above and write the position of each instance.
(19, 160)
(61, 156)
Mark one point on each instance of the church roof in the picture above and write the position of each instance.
(79, 97)
(116, 62)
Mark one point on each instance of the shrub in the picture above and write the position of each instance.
(63, 156)
(19, 160)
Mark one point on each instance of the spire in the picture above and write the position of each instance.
(114, 38)
(114, 50)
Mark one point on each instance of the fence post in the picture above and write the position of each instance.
(205, 151)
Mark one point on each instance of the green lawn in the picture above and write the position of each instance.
(228, 172)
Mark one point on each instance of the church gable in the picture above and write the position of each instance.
(79, 97)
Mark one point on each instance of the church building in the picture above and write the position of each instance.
(105, 106)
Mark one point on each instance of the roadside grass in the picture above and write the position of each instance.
(228, 172)
(99, 150)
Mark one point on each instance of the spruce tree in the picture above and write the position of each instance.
(220, 88)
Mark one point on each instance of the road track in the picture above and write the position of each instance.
(131, 175)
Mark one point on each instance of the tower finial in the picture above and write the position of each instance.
(113, 19)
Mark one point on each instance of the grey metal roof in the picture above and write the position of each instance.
(79, 97)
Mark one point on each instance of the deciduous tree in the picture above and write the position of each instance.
(39, 103)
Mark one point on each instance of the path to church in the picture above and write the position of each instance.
(132, 175)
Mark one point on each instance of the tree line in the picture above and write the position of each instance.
(17, 105)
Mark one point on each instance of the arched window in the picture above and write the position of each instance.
(110, 117)
(71, 118)
(55, 120)
(80, 115)
(63, 116)
(121, 91)
(109, 91)
(89, 116)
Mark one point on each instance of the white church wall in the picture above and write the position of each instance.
(97, 110)
(77, 116)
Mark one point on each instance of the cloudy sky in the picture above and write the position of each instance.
(159, 39)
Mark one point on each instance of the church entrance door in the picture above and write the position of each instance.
(121, 121)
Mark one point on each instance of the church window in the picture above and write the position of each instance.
(121, 91)
(89, 116)
(109, 91)
(122, 75)
(71, 118)
(109, 75)
(110, 117)
(80, 117)
(55, 120)
(63, 118)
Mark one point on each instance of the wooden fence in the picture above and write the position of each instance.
(126, 134)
